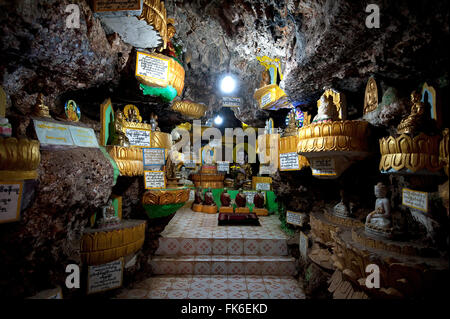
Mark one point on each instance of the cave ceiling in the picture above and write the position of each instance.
(320, 43)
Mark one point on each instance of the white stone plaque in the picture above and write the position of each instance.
(152, 67)
(228, 101)
(223, 166)
(266, 99)
(289, 161)
(154, 179)
(53, 133)
(190, 164)
(83, 136)
(415, 199)
(154, 156)
(263, 186)
(10, 198)
(105, 277)
(295, 218)
(138, 137)
(323, 166)
(191, 194)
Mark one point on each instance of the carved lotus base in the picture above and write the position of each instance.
(19, 158)
(378, 231)
(166, 196)
(102, 246)
(197, 208)
(189, 108)
(128, 159)
(208, 180)
(175, 75)
(160, 140)
(343, 141)
(410, 155)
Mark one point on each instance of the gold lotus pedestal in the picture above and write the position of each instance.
(410, 155)
(128, 159)
(100, 246)
(19, 158)
(331, 147)
(208, 178)
(164, 202)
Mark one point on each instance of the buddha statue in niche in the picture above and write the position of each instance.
(265, 79)
(417, 119)
(119, 137)
(109, 218)
(379, 221)
(40, 109)
(327, 111)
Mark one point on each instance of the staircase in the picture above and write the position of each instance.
(193, 244)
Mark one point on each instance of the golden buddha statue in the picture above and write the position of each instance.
(371, 96)
(291, 129)
(265, 80)
(119, 137)
(417, 118)
(40, 109)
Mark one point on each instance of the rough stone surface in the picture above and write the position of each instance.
(72, 184)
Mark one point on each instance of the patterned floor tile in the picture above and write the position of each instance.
(218, 295)
(238, 295)
(197, 294)
(177, 294)
(258, 295)
(157, 294)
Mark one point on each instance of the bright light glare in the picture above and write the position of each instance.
(228, 84)
(218, 120)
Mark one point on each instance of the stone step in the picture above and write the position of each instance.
(222, 246)
(223, 265)
(215, 287)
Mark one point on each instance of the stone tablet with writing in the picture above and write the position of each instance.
(415, 199)
(323, 166)
(152, 67)
(263, 186)
(105, 277)
(10, 198)
(154, 157)
(228, 101)
(223, 166)
(83, 136)
(295, 218)
(50, 133)
(154, 179)
(289, 161)
(116, 5)
(138, 137)
(251, 195)
(266, 99)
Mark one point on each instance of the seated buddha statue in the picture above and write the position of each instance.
(241, 199)
(258, 200)
(119, 137)
(209, 198)
(198, 196)
(291, 129)
(40, 109)
(379, 221)
(327, 111)
(418, 118)
(225, 199)
(109, 218)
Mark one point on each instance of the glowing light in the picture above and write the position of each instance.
(228, 84)
(218, 120)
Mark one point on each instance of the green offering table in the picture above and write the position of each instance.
(271, 204)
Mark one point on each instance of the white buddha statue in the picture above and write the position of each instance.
(379, 221)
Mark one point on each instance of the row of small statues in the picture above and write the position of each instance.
(119, 137)
(225, 198)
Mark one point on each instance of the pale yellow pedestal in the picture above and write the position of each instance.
(242, 210)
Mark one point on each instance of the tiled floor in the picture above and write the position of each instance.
(215, 287)
(198, 259)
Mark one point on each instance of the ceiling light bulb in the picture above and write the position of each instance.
(218, 120)
(228, 84)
